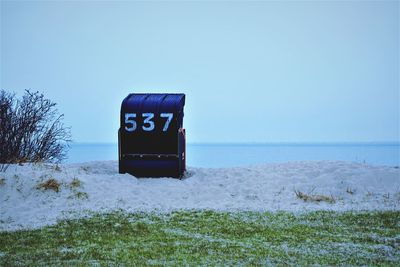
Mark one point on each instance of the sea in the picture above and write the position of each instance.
(233, 155)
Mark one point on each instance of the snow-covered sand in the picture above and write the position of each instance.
(268, 187)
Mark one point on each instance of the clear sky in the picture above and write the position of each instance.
(251, 71)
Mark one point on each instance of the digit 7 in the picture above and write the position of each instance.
(169, 117)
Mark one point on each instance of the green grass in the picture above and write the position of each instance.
(211, 238)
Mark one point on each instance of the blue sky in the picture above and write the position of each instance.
(251, 71)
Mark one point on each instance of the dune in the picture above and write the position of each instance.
(35, 195)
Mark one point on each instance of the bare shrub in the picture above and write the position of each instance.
(31, 130)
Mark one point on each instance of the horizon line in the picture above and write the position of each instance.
(268, 143)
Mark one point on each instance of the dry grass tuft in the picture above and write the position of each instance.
(81, 195)
(350, 190)
(51, 184)
(85, 168)
(314, 198)
(57, 168)
(75, 183)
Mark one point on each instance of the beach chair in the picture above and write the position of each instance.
(151, 138)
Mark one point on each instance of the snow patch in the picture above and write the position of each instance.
(268, 187)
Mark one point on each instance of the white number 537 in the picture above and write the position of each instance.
(148, 124)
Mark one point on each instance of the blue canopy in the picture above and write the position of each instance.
(156, 103)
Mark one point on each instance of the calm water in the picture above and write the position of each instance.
(229, 155)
